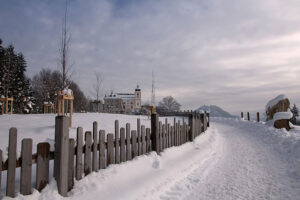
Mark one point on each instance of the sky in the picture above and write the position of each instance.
(237, 54)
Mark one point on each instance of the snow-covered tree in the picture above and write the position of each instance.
(295, 112)
(13, 81)
(169, 103)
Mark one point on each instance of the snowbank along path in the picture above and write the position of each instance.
(234, 159)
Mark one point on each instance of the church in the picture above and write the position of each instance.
(123, 102)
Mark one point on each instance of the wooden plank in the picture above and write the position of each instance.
(61, 154)
(143, 133)
(257, 116)
(163, 138)
(0, 168)
(181, 135)
(133, 144)
(12, 155)
(166, 133)
(138, 135)
(79, 153)
(200, 125)
(71, 164)
(205, 122)
(160, 135)
(169, 136)
(117, 139)
(26, 168)
(172, 136)
(248, 116)
(208, 119)
(178, 133)
(42, 167)
(122, 145)
(95, 145)
(242, 115)
(175, 132)
(148, 140)
(202, 122)
(102, 148)
(154, 133)
(87, 155)
(128, 149)
(110, 149)
(191, 125)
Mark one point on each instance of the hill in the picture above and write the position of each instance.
(216, 111)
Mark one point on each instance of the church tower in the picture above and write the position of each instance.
(137, 98)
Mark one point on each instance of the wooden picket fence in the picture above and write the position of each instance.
(99, 150)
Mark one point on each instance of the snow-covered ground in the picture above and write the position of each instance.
(233, 159)
(40, 127)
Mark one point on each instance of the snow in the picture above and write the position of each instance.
(68, 92)
(233, 159)
(274, 101)
(282, 115)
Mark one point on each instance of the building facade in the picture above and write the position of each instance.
(123, 102)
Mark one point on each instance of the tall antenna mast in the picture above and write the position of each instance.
(153, 91)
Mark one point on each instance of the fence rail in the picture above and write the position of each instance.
(97, 152)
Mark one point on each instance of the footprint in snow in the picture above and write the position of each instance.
(156, 164)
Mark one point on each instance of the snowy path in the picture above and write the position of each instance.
(244, 169)
(234, 159)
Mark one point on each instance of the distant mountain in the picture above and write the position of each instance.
(216, 111)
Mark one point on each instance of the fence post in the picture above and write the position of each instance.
(12, 156)
(208, 119)
(26, 168)
(0, 167)
(191, 124)
(138, 135)
(42, 165)
(117, 141)
(61, 154)
(242, 115)
(95, 147)
(248, 115)
(155, 132)
(205, 121)
(257, 116)
(79, 153)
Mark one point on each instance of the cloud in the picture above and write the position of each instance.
(236, 54)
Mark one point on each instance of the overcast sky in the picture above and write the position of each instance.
(236, 54)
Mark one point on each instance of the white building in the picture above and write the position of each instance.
(123, 102)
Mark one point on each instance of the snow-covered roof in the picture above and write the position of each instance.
(126, 96)
(274, 101)
(123, 96)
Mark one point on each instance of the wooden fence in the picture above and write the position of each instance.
(248, 116)
(99, 150)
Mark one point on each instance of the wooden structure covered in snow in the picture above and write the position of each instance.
(62, 96)
(48, 107)
(5, 101)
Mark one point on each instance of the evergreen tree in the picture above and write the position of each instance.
(13, 82)
(295, 112)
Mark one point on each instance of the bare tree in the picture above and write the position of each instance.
(97, 87)
(169, 103)
(64, 49)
